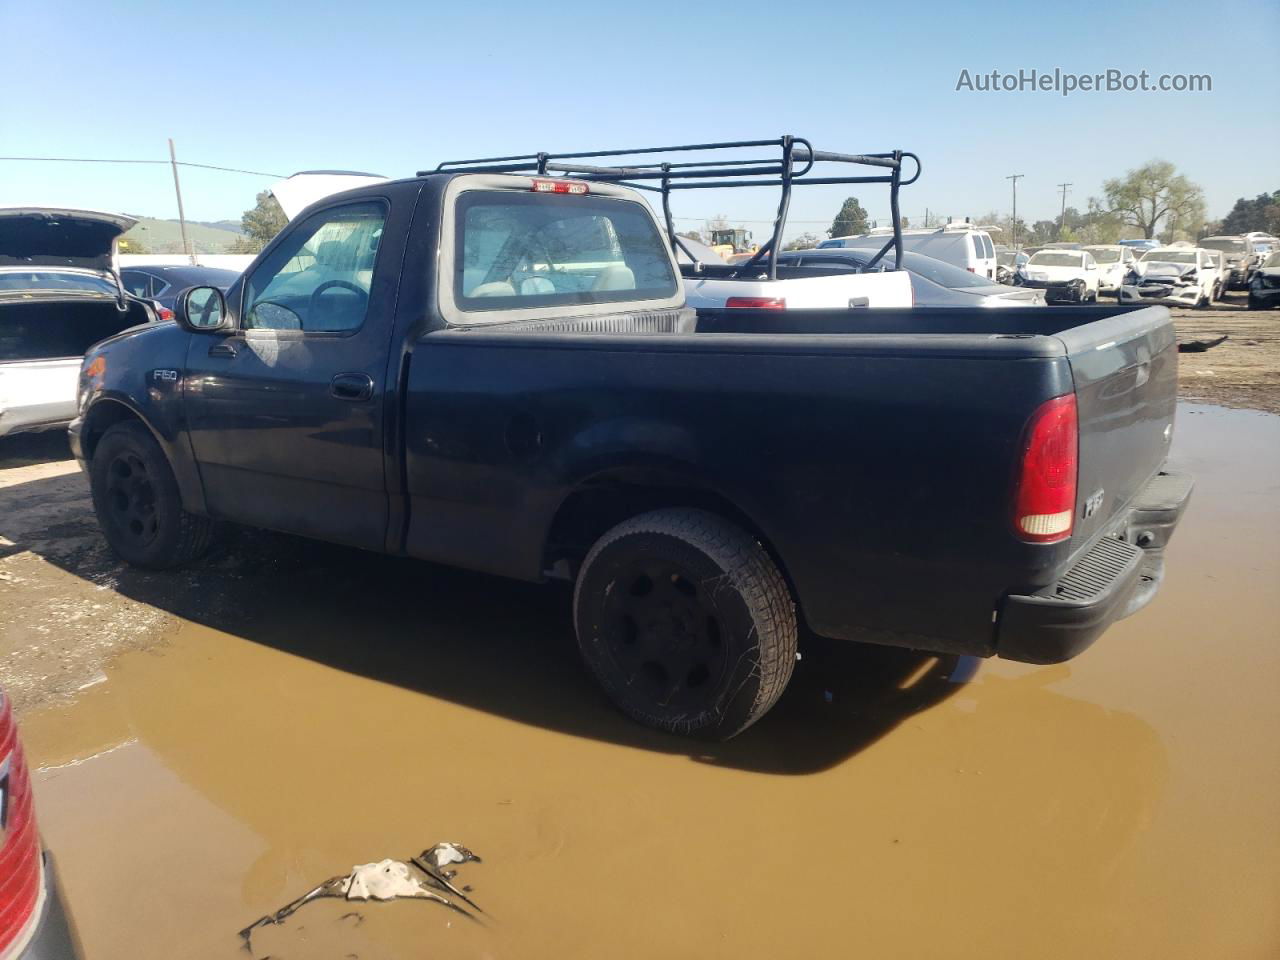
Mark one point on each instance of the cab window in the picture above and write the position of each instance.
(319, 278)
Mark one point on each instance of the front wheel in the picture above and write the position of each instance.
(136, 499)
(686, 622)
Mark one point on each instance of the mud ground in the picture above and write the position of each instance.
(1243, 371)
(213, 743)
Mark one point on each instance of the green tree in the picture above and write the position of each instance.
(850, 221)
(1260, 213)
(1154, 192)
(260, 224)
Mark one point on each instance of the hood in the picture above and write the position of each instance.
(1164, 270)
(1041, 271)
(58, 237)
(296, 193)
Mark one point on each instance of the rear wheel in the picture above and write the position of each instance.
(136, 499)
(686, 622)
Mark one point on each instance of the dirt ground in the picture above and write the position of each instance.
(211, 744)
(1243, 371)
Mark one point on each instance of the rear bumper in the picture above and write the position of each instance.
(1116, 577)
(54, 937)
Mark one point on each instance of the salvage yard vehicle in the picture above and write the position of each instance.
(1008, 263)
(1264, 287)
(1114, 262)
(1240, 254)
(1063, 275)
(33, 921)
(933, 283)
(162, 283)
(961, 244)
(500, 372)
(59, 293)
(1184, 276)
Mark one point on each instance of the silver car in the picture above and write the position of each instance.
(933, 283)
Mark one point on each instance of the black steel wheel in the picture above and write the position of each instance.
(136, 499)
(686, 622)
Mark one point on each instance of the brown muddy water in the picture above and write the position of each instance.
(334, 708)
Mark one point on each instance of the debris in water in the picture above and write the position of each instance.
(417, 879)
(1199, 346)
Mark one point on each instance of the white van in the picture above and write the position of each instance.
(964, 245)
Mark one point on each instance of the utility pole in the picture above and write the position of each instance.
(177, 188)
(1015, 177)
(1062, 222)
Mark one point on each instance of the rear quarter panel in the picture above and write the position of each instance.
(877, 468)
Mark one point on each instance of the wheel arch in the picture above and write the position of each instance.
(107, 411)
(601, 501)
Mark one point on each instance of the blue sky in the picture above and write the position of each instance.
(392, 87)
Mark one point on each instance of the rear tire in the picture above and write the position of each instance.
(137, 502)
(686, 623)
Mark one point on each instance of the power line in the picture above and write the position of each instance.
(181, 163)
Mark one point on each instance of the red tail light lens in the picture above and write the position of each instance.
(20, 881)
(756, 303)
(1045, 500)
(575, 187)
(164, 313)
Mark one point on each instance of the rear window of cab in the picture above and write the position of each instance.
(520, 250)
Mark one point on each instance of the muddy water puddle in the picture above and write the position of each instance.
(335, 708)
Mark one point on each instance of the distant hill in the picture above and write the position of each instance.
(165, 236)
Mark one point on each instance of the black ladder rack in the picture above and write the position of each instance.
(792, 167)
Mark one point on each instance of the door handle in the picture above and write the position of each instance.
(351, 386)
(223, 348)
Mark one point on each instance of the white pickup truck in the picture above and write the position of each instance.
(59, 293)
(795, 288)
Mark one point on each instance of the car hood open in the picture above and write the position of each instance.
(58, 237)
(296, 193)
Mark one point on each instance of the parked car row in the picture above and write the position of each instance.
(60, 293)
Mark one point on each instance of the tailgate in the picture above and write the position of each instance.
(1125, 370)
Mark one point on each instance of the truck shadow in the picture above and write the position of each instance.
(27, 449)
(495, 645)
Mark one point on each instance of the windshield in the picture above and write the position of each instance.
(1103, 255)
(1273, 260)
(1055, 258)
(523, 250)
(54, 281)
(1226, 244)
(1169, 256)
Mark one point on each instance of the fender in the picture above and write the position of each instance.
(139, 374)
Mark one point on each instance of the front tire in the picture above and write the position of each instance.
(686, 622)
(136, 499)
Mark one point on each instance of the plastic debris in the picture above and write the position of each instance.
(423, 877)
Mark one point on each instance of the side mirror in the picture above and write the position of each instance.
(202, 310)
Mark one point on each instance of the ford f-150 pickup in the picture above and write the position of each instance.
(495, 368)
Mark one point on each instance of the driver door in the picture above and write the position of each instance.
(285, 413)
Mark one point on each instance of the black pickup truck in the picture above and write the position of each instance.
(495, 369)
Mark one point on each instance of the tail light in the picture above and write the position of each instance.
(756, 303)
(575, 187)
(164, 313)
(1045, 499)
(20, 880)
